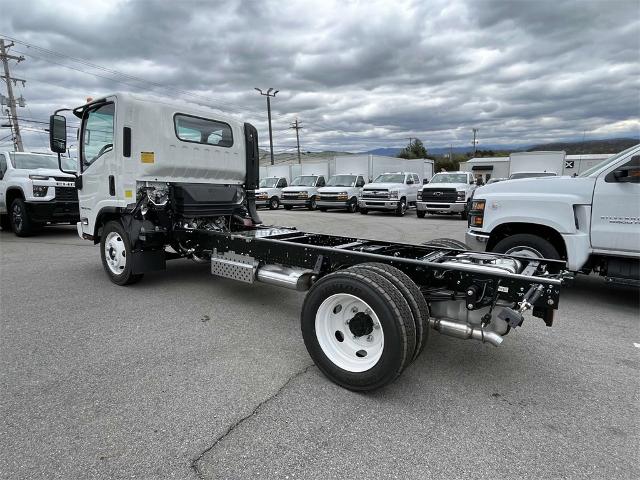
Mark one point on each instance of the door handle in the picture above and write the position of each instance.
(112, 186)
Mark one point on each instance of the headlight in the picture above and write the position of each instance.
(419, 194)
(343, 196)
(40, 190)
(38, 177)
(461, 195)
(393, 194)
(304, 194)
(476, 215)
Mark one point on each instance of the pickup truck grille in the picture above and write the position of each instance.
(375, 194)
(66, 194)
(293, 195)
(440, 195)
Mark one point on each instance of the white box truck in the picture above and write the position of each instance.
(535, 164)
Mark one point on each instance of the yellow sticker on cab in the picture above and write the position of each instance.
(147, 157)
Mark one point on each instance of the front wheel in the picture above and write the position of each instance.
(363, 211)
(115, 250)
(402, 208)
(312, 204)
(526, 245)
(463, 214)
(274, 203)
(352, 207)
(421, 213)
(21, 223)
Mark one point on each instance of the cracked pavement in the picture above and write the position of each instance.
(186, 376)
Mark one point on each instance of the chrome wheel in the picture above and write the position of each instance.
(524, 251)
(115, 253)
(349, 332)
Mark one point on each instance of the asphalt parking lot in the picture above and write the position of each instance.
(185, 375)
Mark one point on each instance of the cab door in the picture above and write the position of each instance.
(615, 214)
(97, 160)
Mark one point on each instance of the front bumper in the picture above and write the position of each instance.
(333, 203)
(378, 204)
(262, 202)
(295, 202)
(457, 207)
(53, 211)
(476, 240)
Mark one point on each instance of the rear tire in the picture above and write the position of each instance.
(115, 251)
(21, 224)
(463, 214)
(527, 245)
(446, 243)
(356, 349)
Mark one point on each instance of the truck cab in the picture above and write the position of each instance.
(342, 191)
(591, 220)
(392, 191)
(447, 192)
(33, 192)
(303, 192)
(270, 192)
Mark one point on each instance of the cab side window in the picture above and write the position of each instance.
(416, 180)
(97, 134)
(282, 183)
(320, 182)
(627, 173)
(360, 182)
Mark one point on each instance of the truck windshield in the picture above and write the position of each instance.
(30, 161)
(516, 176)
(449, 178)
(390, 178)
(342, 181)
(304, 181)
(269, 182)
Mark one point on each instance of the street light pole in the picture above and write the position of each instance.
(268, 94)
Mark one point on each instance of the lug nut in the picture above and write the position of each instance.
(550, 301)
(354, 310)
(369, 338)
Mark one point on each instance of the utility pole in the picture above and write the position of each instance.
(475, 142)
(296, 126)
(5, 57)
(268, 94)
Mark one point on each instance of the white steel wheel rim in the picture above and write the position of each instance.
(524, 251)
(338, 341)
(115, 253)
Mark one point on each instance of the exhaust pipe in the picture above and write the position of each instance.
(465, 331)
(293, 278)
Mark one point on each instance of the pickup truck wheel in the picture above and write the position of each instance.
(21, 224)
(463, 214)
(402, 207)
(115, 250)
(312, 204)
(421, 213)
(526, 245)
(274, 203)
(363, 211)
(358, 329)
(413, 296)
(352, 207)
(288, 207)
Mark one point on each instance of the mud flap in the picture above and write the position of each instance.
(148, 261)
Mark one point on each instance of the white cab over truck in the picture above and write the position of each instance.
(33, 192)
(342, 191)
(270, 192)
(159, 181)
(447, 192)
(394, 192)
(592, 221)
(303, 192)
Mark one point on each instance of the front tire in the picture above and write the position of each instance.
(363, 211)
(526, 245)
(21, 224)
(402, 208)
(274, 203)
(358, 329)
(312, 204)
(115, 251)
(353, 206)
(421, 213)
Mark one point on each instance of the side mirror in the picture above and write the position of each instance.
(58, 133)
(410, 181)
(425, 181)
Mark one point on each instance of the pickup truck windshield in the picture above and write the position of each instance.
(390, 178)
(29, 161)
(268, 182)
(342, 181)
(516, 176)
(304, 181)
(449, 178)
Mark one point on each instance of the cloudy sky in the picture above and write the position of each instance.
(358, 75)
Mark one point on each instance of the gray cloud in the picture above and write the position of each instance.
(358, 75)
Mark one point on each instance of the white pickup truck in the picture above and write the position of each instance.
(303, 192)
(390, 191)
(592, 220)
(33, 192)
(447, 192)
(341, 191)
(270, 192)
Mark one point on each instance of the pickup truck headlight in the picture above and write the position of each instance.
(419, 194)
(462, 194)
(476, 214)
(304, 194)
(38, 177)
(343, 196)
(393, 194)
(40, 190)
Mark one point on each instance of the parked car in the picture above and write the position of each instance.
(448, 192)
(33, 192)
(341, 191)
(591, 220)
(303, 192)
(391, 192)
(270, 192)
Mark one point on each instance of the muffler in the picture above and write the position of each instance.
(465, 331)
(281, 276)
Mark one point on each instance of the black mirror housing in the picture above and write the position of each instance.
(58, 133)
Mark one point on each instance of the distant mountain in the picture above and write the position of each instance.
(386, 152)
(609, 145)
